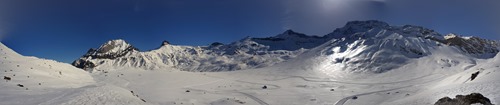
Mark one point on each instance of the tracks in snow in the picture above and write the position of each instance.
(312, 80)
(345, 99)
(254, 98)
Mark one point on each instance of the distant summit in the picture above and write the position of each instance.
(165, 43)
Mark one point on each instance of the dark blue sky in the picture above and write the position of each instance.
(65, 29)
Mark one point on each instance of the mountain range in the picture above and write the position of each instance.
(360, 46)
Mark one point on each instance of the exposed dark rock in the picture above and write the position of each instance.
(269, 39)
(7, 78)
(472, 98)
(300, 35)
(355, 97)
(165, 43)
(474, 75)
(105, 51)
(216, 44)
(471, 45)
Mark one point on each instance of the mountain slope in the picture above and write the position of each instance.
(35, 81)
(31, 71)
(379, 47)
(244, 54)
(359, 46)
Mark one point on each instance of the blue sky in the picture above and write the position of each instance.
(65, 29)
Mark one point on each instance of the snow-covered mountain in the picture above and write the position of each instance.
(371, 45)
(244, 54)
(374, 46)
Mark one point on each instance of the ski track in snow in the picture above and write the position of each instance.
(311, 80)
(254, 98)
(65, 94)
(345, 99)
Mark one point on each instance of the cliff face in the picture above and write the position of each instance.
(110, 50)
(473, 98)
(472, 45)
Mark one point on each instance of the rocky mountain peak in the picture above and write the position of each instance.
(109, 50)
(114, 46)
(292, 34)
(366, 24)
(165, 43)
(353, 27)
(472, 45)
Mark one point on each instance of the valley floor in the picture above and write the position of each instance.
(174, 87)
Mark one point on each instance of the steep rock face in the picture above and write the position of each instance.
(110, 50)
(473, 98)
(472, 45)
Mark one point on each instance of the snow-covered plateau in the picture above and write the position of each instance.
(363, 63)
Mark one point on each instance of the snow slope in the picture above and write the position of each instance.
(421, 82)
(47, 82)
(485, 83)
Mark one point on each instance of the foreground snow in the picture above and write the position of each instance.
(47, 82)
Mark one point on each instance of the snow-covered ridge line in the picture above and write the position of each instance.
(358, 42)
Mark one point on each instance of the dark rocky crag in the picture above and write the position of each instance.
(473, 98)
(111, 50)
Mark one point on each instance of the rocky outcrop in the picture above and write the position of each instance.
(164, 43)
(110, 50)
(473, 98)
(472, 45)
